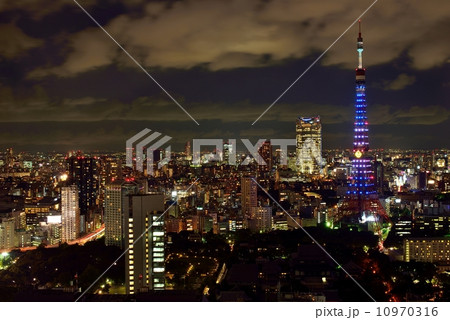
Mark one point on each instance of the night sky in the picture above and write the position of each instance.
(65, 85)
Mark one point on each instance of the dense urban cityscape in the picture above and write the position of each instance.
(221, 237)
(229, 219)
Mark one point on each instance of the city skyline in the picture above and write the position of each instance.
(64, 82)
(225, 151)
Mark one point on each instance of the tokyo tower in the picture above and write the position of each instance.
(361, 204)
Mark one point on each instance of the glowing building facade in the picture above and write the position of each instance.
(115, 197)
(249, 195)
(362, 178)
(427, 250)
(309, 145)
(361, 204)
(144, 263)
(70, 214)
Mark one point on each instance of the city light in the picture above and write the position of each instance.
(311, 205)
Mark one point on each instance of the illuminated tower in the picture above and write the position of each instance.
(309, 145)
(361, 205)
(362, 179)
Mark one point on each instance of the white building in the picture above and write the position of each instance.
(70, 214)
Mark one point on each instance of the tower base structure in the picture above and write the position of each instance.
(365, 213)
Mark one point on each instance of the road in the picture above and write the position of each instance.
(81, 241)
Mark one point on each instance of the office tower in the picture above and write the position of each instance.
(379, 176)
(70, 213)
(9, 158)
(427, 250)
(110, 170)
(116, 194)
(266, 154)
(261, 219)
(83, 174)
(423, 179)
(7, 233)
(144, 263)
(188, 151)
(309, 146)
(361, 203)
(229, 152)
(249, 195)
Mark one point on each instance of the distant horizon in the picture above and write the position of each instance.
(206, 148)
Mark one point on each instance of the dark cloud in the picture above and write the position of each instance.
(15, 42)
(402, 81)
(233, 34)
(65, 84)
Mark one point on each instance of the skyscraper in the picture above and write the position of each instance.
(249, 195)
(83, 174)
(266, 154)
(70, 213)
(144, 263)
(188, 151)
(7, 234)
(116, 194)
(309, 145)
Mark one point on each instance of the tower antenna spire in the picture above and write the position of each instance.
(359, 22)
(359, 46)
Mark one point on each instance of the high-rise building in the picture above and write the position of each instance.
(266, 154)
(116, 194)
(309, 146)
(249, 195)
(261, 219)
(188, 151)
(9, 158)
(83, 174)
(229, 152)
(144, 263)
(70, 214)
(7, 234)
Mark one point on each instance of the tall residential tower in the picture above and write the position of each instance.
(144, 236)
(70, 214)
(116, 194)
